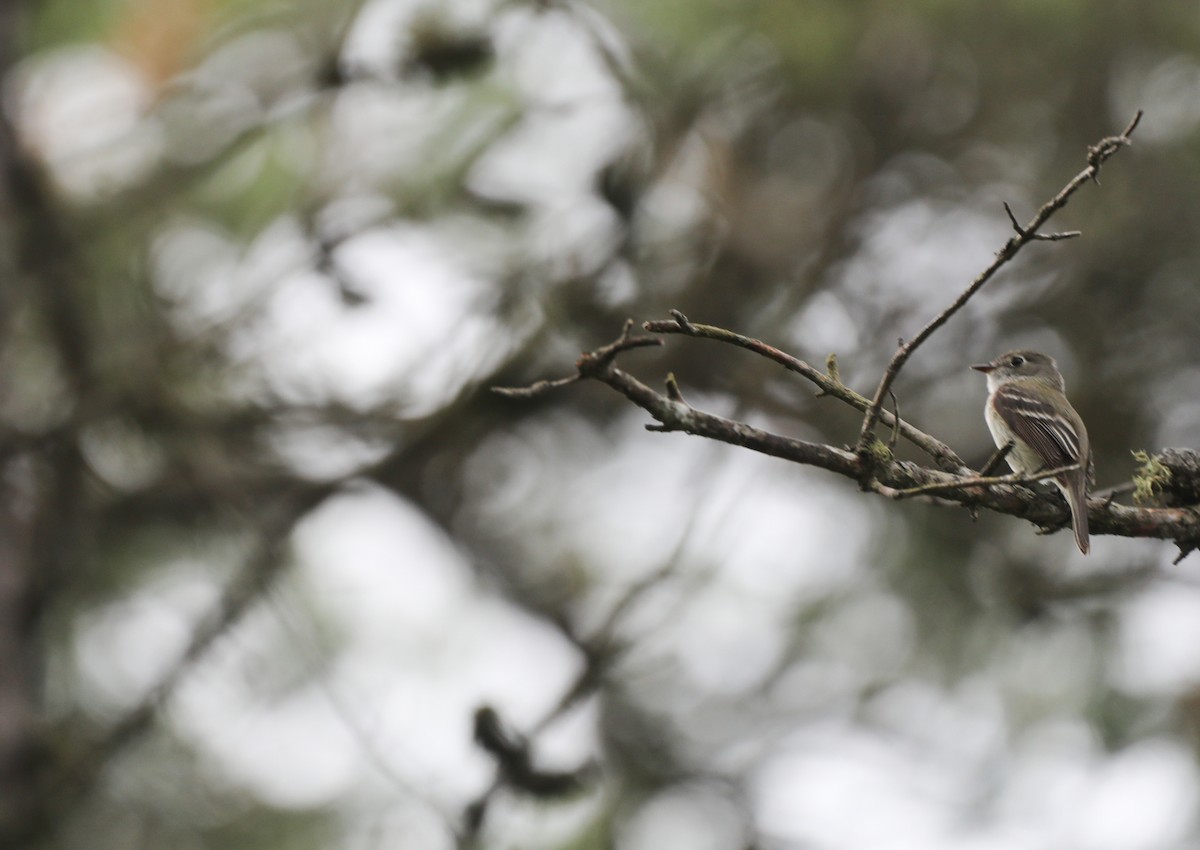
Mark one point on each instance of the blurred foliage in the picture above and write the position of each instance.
(265, 258)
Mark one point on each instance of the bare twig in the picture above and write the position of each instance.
(997, 458)
(895, 421)
(981, 481)
(1097, 155)
(673, 391)
(537, 388)
(587, 362)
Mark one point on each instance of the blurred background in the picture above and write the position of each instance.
(278, 571)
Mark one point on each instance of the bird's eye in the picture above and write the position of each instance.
(1016, 361)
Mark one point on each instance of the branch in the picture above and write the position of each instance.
(829, 384)
(1097, 155)
(892, 478)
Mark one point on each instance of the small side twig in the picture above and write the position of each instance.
(685, 326)
(1044, 237)
(673, 391)
(895, 421)
(586, 366)
(997, 458)
(674, 394)
(537, 388)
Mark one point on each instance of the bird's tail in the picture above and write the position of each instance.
(1075, 489)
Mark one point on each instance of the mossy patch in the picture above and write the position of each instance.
(1151, 478)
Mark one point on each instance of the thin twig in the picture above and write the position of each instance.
(673, 391)
(587, 363)
(1097, 155)
(537, 388)
(982, 481)
(895, 421)
(997, 458)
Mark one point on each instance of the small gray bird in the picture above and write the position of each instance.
(1027, 404)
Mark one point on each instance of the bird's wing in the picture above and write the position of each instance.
(1051, 434)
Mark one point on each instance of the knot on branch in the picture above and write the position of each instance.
(872, 456)
(682, 322)
(1108, 146)
(831, 368)
(593, 363)
(832, 373)
(675, 395)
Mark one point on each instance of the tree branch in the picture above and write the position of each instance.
(892, 478)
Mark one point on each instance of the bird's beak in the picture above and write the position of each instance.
(983, 367)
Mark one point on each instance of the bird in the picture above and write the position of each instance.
(1027, 405)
